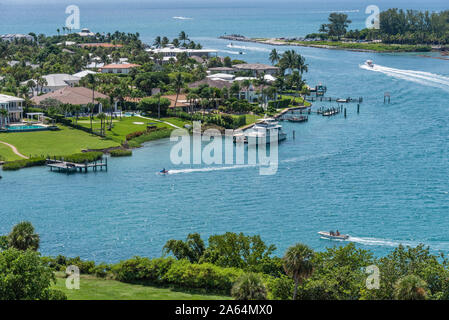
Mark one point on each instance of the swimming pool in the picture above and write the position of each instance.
(25, 128)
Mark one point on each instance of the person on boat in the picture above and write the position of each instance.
(337, 233)
(331, 233)
(164, 171)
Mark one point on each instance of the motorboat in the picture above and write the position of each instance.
(328, 235)
(263, 130)
(369, 63)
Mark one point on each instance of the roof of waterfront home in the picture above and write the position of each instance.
(4, 98)
(222, 69)
(254, 66)
(71, 95)
(104, 45)
(215, 83)
(121, 66)
(56, 80)
(182, 100)
(84, 73)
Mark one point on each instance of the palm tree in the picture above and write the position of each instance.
(249, 287)
(22, 237)
(102, 117)
(274, 56)
(410, 287)
(58, 31)
(183, 37)
(178, 84)
(157, 42)
(4, 115)
(246, 84)
(92, 81)
(41, 82)
(298, 264)
(165, 42)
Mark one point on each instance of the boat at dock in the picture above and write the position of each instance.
(298, 119)
(328, 235)
(262, 132)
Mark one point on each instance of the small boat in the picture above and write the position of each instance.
(163, 171)
(327, 235)
(369, 63)
(298, 119)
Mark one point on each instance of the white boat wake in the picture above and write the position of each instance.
(381, 242)
(421, 77)
(208, 169)
(182, 18)
(232, 52)
(233, 46)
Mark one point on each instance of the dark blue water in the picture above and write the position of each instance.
(380, 175)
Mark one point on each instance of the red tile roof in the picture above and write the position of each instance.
(121, 66)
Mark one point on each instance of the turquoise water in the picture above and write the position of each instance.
(380, 175)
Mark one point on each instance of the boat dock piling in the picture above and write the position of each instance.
(72, 167)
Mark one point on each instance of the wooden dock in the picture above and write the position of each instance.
(71, 167)
(338, 100)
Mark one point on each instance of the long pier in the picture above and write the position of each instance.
(72, 167)
(338, 100)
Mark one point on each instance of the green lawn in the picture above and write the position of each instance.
(54, 143)
(92, 288)
(122, 128)
(7, 154)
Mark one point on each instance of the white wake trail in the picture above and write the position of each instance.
(208, 169)
(421, 77)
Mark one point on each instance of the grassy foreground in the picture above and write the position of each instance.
(53, 143)
(7, 154)
(92, 288)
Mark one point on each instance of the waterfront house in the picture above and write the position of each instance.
(72, 95)
(123, 68)
(14, 106)
(256, 68)
(16, 36)
(172, 51)
(86, 33)
(54, 82)
(226, 70)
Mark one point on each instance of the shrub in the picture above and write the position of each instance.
(25, 163)
(142, 269)
(121, 153)
(83, 157)
(280, 288)
(206, 275)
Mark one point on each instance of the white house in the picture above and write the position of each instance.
(122, 68)
(256, 68)
(86, 33)
(13, 36)
(55, 82)
(14, 105)
(172, 51)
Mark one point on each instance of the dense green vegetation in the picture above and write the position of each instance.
(231, 264)
(407, 29)
(121, 153)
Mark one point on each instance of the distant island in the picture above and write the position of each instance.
(399, 31)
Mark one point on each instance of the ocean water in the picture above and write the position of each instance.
(380, 175)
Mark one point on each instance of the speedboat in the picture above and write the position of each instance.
(327, 235)
(163, 171)
(263, 131)
(369, 63)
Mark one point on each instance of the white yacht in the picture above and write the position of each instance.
(262, 130)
